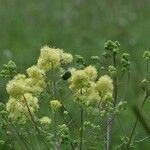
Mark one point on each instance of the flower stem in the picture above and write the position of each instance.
(111, 117)
(81, 132)
(135, 124)
(35, 125)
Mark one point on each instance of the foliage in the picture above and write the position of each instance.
(92, 89)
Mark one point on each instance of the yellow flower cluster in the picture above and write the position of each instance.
(51, 58)
(91, 72)
(21, 84)
(17, 86)
(35, 73)
(33, 83)
(104, 84)
(36, 79)
(82, 78)
(55, 105)
(87, 90)
(18, 108)
(21, 89)
(45, 120)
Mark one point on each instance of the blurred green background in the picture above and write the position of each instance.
(78, 26)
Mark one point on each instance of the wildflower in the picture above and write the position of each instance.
(36, 86)
(45, 120)
(9, 70)
(79, 59)
(63, 133)
(92, 97)
(55, 105)
(18, 110)
(108, 97)
(95, 59)
(17, 86)
(35, 72)
(49, 58)
(66, 58)
(125, 61)
(31, 101)
(91, 72)
(146, 55)
(104, 84)
(112, 46)
(112, 71)
(79, 80)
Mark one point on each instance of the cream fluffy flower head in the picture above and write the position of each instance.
(17, 86)
(49, 58)
(45, 120)
(35, 72)
(55, 105)
(31, 101)
(104, 84)
(18, 110)
(91, 72)
(66, 58)
(93, 97)
(15, 110)
(79, 80)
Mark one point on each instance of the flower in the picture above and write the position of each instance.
(93, 97)
(49, 58)
(79, 80)
(36, 79)
(66, 58)
(104, 84)
(91, 72)
(55, 105)
(45, 120)
(63, 133)
(17, 86)
(18, 108)
(35, 72)
(146, 55)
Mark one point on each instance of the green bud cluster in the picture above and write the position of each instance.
(50, 138)
(89, 124)
(92, 110)
(112, 71)
(79, 59)
(2, 106)
(9, 70)
(146, 55)
(95, 59)
(63, 133)
(145, 85)
(2, 142)
(125, 61)
(109, 108)
(3, 117)
(111, 46)
(120, 107)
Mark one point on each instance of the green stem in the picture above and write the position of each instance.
(135, 124)
(147, 68)
(21, 143)
(20, 137)
(35, 125)
(81, 132)
(30, 138)
(111, 117)
(35, 137)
